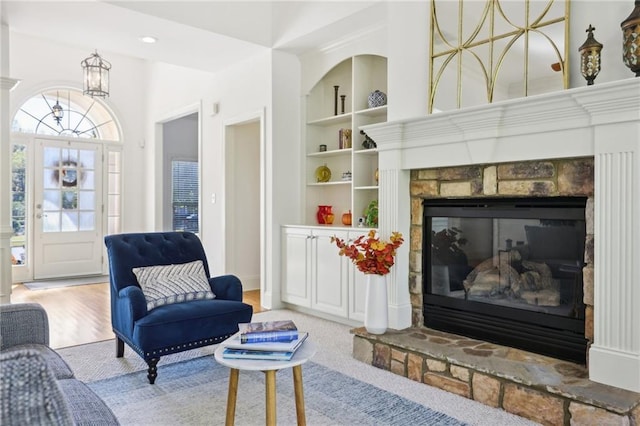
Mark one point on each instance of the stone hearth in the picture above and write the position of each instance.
(533, 386)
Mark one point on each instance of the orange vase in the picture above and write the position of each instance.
(328, 219)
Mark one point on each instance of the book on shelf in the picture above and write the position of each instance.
(234, 342)
(268, 331)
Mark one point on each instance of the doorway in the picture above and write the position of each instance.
(180, 182)
(243, 209)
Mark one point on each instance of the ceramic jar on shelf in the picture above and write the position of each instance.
(324, 215)
(377, 99)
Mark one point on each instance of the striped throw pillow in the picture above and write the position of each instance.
(166, 284)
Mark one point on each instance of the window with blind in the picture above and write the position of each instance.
(184, 196)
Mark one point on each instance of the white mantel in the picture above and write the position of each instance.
(600, 121)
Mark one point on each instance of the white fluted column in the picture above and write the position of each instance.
(6, 84)
(614, 357)
(394, 215)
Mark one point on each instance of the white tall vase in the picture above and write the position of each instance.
(376, 319)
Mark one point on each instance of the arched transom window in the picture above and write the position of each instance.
(65, 112)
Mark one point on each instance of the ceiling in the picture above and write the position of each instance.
(206, 35)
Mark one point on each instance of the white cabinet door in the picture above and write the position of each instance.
(296, 266)
(356, 284)
(329, 269)
(315, 276)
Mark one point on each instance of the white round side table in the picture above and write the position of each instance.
(302, 355)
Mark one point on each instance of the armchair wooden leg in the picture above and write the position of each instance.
(152, 372)
(119, 347)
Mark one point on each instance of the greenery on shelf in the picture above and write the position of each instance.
(371, 214)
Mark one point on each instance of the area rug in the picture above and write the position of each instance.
(194, 392)
(65, 282)
(191, 389)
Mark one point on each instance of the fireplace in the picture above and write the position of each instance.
(601, 122)
(508, 271)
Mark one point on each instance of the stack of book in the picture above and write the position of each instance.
(271, 340)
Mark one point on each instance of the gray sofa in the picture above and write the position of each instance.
(37, 386)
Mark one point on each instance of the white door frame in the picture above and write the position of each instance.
(158, 155)
(266, 294)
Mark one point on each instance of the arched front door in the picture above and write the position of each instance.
(68, 200)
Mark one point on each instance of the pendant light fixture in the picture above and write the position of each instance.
(57, 110)
(96, 75)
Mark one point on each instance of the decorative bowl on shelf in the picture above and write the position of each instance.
(323, 174)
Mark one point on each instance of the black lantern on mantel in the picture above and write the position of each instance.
(590, 57)
(631, 40)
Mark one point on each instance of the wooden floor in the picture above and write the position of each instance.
(80, 314)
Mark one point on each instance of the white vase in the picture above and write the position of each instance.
(375, 311)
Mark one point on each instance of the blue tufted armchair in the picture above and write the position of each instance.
(169, 328)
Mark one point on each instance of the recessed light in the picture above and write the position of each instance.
(148, 39)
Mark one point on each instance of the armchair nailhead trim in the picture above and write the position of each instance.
(188, 345)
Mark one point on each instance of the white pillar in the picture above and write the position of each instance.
(614, 357)
(6, 85)
(394, 215)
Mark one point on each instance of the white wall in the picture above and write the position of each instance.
(408, 60)
(283, 163)
(242, 93)
(173, 92)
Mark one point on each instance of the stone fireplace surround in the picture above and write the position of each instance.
(565, 177)
(600, 121)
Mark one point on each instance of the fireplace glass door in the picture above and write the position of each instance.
(505, 264)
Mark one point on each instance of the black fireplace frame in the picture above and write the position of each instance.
(555, 336)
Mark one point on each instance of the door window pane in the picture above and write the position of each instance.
(51, 200)
(69, 222)
(86, 200)
(87, 159)
(51, 222)
(114, 192)
(87, 180)
(86, 221)
(18, 239)
(69, 200)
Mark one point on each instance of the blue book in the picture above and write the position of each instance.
(269, 331)
(231, 353)
(234, 342)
